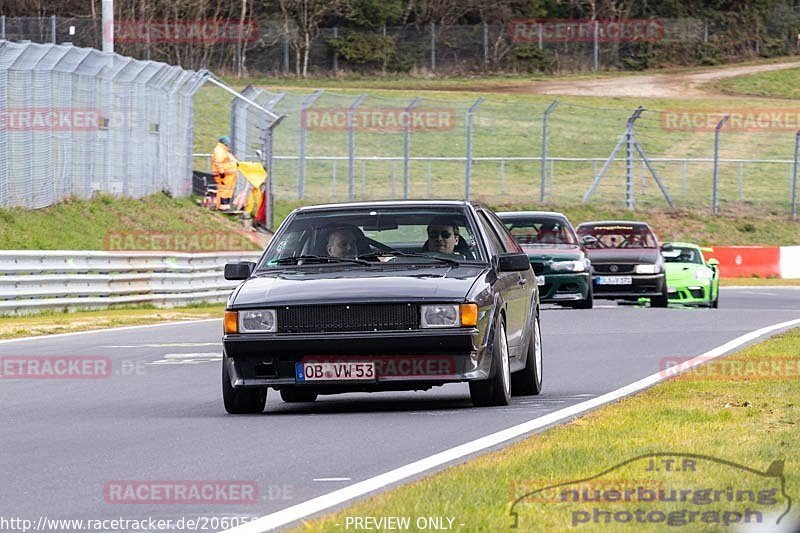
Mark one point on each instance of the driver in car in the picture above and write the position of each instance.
(343, 242)
(442, 237)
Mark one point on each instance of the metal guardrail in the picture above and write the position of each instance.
(34, 280)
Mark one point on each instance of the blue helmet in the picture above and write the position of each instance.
(225, 140)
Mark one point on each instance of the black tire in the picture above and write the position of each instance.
(241, 401)
(297, 395)
(663, 300)
(528, 382)
(715, 302)
(588, 303)
(497, 389)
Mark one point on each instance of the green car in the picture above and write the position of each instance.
(691, 279)
(563, 270)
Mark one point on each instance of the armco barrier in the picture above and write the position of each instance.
(32, 280)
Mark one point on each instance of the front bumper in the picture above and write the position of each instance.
(564, 287)
(642, 285)
(403, 359)
(694, 294)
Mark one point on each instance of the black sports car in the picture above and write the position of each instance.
(383, 296)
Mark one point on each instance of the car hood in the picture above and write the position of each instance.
(554, 252)
(625, 255)
(679, 272)
(316, 286)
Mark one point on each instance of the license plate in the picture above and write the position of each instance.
(614, 280)
(540, 280)
(335, 371)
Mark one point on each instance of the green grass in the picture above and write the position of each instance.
(48, 322)
(89, 224)
(509, 126)
(750, 422)
(84, 224)
(777, 84)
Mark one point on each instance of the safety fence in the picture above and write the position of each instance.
(32, 281)
(76, 121)
(338, 147)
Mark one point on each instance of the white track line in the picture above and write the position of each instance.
(326, 501)
(104, 330)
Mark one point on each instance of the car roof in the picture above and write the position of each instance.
(526, 214)
(686, 245)
(392, 203)
(616, 222)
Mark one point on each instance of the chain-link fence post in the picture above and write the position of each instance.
(285, 41)
(794, 174)
(546, 116)
(2, 27)
(335, 55)
(301, 175)
(485, 46)
(351, 146)
(433, 47)
(407, 144)
(468, 160)
(715, 181)
(596, 42)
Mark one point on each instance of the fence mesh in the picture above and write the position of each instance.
(76, 121)
(333, 146)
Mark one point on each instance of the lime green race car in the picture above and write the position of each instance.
(691, 279)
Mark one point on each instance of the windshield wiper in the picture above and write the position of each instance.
(320, 259)
(398, 253)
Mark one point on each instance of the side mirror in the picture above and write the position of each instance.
(239, 271)
(666, 247)
(713, 263)
(513, 262)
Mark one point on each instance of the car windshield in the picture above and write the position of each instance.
(533, 231)
(372, 235)
(617, 236)
(683, 255)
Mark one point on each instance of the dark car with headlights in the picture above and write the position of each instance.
(562, 268)
(424, 293)
(626, 261)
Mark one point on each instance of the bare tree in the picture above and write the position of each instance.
(305, 16)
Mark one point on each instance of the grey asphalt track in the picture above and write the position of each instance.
(159, 416)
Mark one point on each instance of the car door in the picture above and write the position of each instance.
(513, 285)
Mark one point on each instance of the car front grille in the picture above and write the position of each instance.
(606, 268)
(350, 317)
